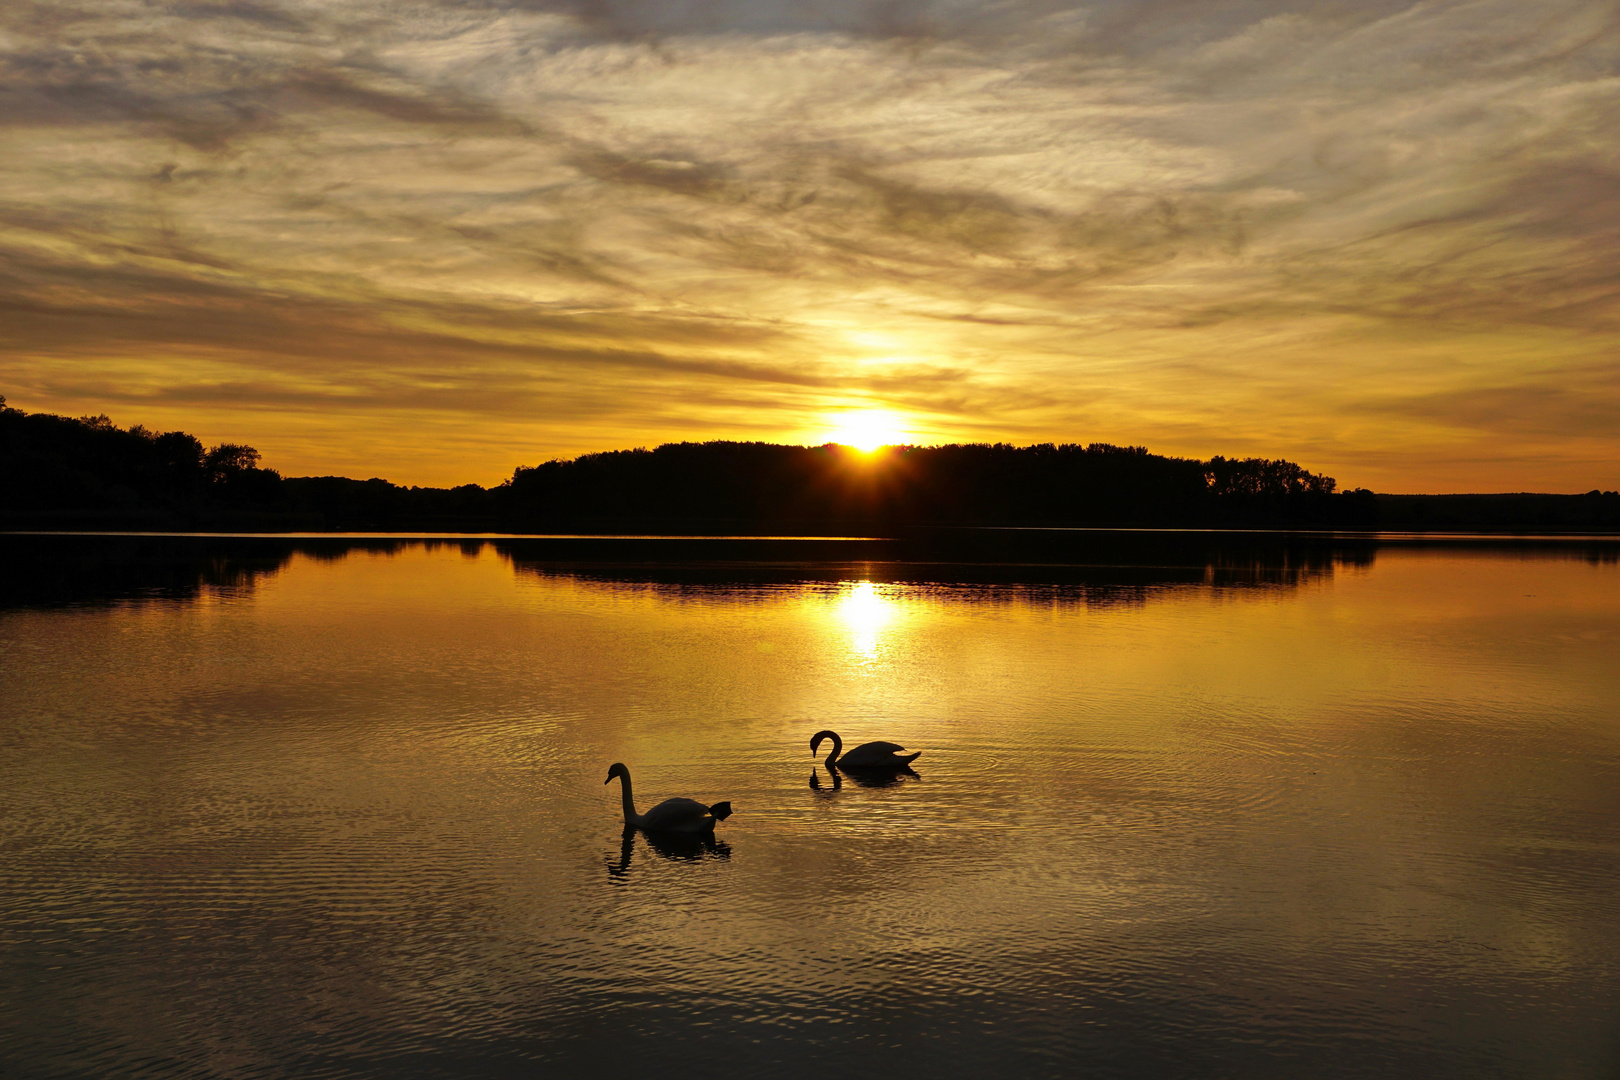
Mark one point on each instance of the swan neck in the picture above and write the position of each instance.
(836, 751)
(630, 814)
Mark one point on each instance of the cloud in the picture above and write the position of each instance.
(1134, 221)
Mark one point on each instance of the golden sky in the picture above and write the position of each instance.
(433, 240)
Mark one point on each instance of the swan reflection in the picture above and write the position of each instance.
(880, 777)
(868, 778)
(815, 780)
(673, 846)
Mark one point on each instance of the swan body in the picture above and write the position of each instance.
(872, 755)
(670, 816)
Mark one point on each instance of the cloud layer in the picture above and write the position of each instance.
(435, 240)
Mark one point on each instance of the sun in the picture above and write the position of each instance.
(867, 429)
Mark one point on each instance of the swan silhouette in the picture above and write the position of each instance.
(872, 755)
(671, 815)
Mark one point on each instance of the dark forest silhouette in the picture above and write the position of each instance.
(61, 472)
(61, 468)
(797, 488)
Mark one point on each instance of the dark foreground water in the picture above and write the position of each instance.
(320, 809)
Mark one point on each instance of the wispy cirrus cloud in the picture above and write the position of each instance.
(479, 233)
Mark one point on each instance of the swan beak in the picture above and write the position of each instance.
(609, 780)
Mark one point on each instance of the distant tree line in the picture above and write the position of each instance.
(65, 468)
(764, 485)
(61, 472)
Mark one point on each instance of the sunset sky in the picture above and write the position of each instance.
(434, 240)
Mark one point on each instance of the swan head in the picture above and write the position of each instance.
(616, 769)
(815, 740)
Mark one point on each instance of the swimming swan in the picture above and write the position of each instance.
(671, 815)
(872, 755)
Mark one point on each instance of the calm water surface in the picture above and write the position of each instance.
(328, 810)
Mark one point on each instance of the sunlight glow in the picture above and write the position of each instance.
(866, 612)
(867, 429)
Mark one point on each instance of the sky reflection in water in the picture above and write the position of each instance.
(334, 812)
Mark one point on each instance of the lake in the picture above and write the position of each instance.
(1188, 805)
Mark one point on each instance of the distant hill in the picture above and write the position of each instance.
(87, 473)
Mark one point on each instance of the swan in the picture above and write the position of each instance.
(872, 755)
(671, 815)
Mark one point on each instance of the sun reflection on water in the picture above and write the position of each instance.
(866, 613)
